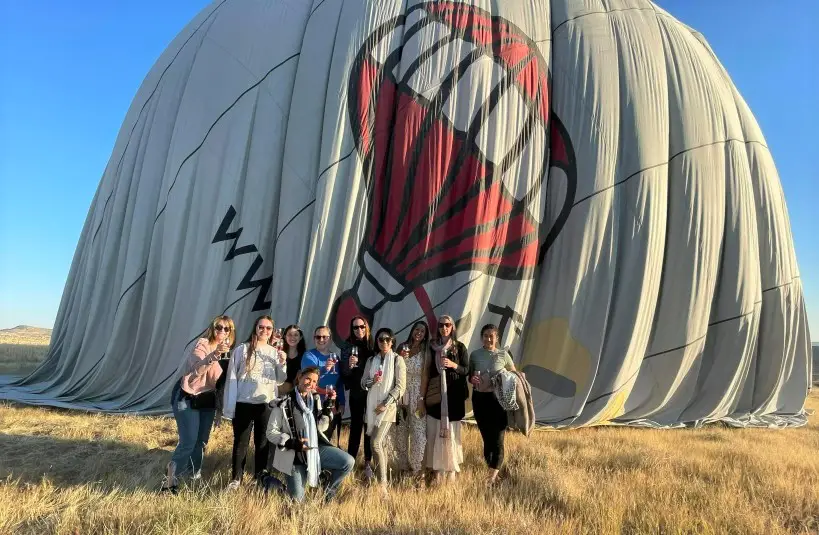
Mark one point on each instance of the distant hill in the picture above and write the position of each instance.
(25, 335)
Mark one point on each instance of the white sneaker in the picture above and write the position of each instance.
(368, 472)
(197, 475)
(233, 485)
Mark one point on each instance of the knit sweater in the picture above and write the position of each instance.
(256, 385)
(201, 369)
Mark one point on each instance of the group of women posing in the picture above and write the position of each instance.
(293, 399)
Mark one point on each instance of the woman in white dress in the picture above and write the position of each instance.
(444, 390)
(411, 432)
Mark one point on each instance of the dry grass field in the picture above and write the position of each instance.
(71, 472)
(22, 348)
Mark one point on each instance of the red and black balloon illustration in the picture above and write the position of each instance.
(444, 191)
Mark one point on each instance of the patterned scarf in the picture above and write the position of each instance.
(310, 432)
(440, 352)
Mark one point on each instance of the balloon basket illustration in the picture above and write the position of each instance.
(452, 126)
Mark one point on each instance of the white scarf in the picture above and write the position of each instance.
(378, 391)
(311, 432)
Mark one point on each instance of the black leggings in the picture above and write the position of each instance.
(249, 416)
(491, 419)
(358, 406)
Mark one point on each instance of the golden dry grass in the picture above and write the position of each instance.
(70, 472)
(22, 348)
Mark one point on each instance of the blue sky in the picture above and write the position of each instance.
(70, 70)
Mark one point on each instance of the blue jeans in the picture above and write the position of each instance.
(193, 426)
(337, 461)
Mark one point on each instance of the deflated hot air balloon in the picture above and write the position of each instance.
(582, 174)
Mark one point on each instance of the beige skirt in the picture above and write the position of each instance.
(443, 454)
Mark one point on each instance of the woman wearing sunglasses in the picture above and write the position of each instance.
(385, 378)
(295, 347)
(255, 370)
(445, 391)
(354, 357)
(193, 400)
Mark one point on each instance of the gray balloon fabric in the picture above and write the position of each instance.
(581, 173)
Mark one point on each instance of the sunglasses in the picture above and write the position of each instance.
(321, 337)
(223, 328)
(384, 339)
(360, 327)
(445, 325)
(265, 327)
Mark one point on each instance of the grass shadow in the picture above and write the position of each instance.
(70, 463)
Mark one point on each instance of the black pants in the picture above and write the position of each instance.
(491, 419)
(358, 406)
(246, 417)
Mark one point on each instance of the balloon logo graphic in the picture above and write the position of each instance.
(449, 108)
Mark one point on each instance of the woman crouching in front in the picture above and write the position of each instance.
(193, 401)
(297, 426)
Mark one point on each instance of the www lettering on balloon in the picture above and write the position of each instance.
(247, 282)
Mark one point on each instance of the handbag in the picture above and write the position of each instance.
(433, 395)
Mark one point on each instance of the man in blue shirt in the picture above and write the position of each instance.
(330, 376)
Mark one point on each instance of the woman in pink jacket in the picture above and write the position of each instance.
(193, 400)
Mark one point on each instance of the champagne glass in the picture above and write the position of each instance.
(354, 353)
(380, 371)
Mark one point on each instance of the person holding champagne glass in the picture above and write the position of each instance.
(411, 432)
(354, 357)
(298, 423)
(193, 400)
(255, 370)
(323, 358)
(484, 363)
(384, 379)
(445, 390)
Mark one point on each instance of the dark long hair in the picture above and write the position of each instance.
(301, 347)
(253, 340)
(388, 332)
(368, 335)
(425, 341)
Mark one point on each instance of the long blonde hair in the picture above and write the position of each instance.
(210, 334)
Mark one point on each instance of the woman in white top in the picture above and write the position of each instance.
(256, 369)
(385, 377)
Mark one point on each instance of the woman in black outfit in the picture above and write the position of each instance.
(485, 363)
(295, 347)
(352, 369)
